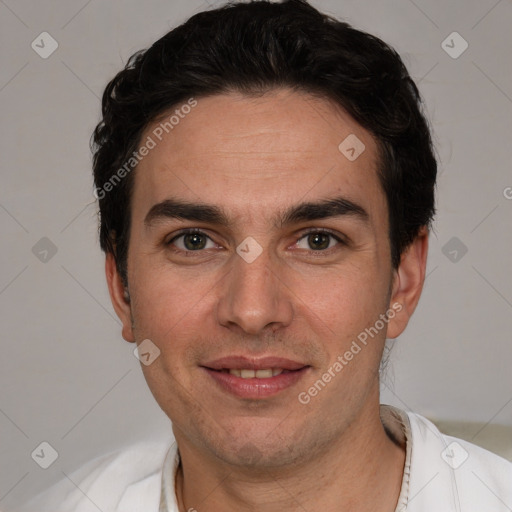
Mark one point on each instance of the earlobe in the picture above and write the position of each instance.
(119, 296)
(408, 283)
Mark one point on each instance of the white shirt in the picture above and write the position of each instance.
(441, 474)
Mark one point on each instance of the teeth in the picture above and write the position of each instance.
(264, 374)
(259, 374)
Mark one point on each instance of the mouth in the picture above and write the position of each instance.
(255, 378)
(247, 373)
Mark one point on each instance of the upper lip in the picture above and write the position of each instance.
(242, 362)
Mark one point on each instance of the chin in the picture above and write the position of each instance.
(255, 448)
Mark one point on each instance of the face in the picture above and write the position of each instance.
(257, 245)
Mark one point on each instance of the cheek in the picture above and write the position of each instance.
(345, 299)
(163, 299)
(176, 312)
(173, 391)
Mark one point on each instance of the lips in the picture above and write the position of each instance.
(242, 362)
(255, 378)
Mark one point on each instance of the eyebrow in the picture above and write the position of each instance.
(212, 214)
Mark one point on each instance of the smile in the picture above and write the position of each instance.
(258, 384)
(254, 374)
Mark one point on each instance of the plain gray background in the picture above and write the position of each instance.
(69, 379)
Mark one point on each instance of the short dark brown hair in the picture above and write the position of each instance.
(252, 48)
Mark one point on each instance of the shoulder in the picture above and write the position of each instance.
(461, 474)
(126, 479)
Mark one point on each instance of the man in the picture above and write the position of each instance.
(266, 179)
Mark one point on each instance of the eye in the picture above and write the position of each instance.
(192, 240)
(318, 241)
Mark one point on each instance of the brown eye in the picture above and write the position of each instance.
(192, 241)
(318, 241)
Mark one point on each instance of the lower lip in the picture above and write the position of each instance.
(256, 388)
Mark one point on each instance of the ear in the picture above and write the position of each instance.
(408, 283)
(118, 296)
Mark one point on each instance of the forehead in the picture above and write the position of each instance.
(255, 156)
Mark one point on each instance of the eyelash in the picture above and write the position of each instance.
(193, 231)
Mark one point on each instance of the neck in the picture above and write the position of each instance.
(362, 471)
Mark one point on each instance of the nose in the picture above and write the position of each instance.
(254, 297)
